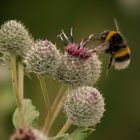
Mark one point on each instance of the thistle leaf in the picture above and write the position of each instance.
(31, 115)
(78, 134)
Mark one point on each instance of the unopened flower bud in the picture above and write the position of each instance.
(28, 134)
(14, 37)
(84, 106)
(42, 58)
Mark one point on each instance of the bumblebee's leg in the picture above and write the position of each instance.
(111, 60)
(110, 64)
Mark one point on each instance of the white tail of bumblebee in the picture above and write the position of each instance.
(122, 65)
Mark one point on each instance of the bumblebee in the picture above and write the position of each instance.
(114, 44)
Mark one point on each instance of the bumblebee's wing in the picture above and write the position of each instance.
(116, 25)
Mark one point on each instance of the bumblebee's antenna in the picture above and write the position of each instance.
(71, 34)
(116, 25)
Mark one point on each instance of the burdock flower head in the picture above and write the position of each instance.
(28, 134)
(96, 68)
(84, 106)
(42, 58)
(76, 66)
(14, 37)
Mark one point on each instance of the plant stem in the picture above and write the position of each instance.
(58, 97)
(55, 109)
(44, 92)
(65, 127)
(56, 112)
(21, 89)
(18, 91)
(21, 78)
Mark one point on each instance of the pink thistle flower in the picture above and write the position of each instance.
(76, 50)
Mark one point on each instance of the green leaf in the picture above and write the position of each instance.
(31, 115)
(78, 134)
(61, 137)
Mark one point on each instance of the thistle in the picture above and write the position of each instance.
(28, 134)
(42, 58)
(78, 65)
(96, 68)
(84, 106)
(14, 38)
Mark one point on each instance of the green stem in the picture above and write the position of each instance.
(58, 97)
(18, 93)
(44, 92)
(21, 79)
(65, 127)
(21, 89)
(55, 109)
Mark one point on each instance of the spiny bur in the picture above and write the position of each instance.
(84, 106)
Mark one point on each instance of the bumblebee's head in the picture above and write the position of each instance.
(103, 36)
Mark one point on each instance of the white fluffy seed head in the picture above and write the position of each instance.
(78, 72)
(28, 134)
(84, 106)
(42, 58)
(14, 37)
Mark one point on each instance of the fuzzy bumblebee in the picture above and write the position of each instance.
(114, 44)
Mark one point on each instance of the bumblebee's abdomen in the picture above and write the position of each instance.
(122, 55)
(122, 58)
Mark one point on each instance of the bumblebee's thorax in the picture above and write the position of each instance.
(114, 48)
(115, 42)
(114, 38)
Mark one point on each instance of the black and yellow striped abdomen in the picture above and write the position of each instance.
(122, 55)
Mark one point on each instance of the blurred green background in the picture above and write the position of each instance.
(121, 89)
